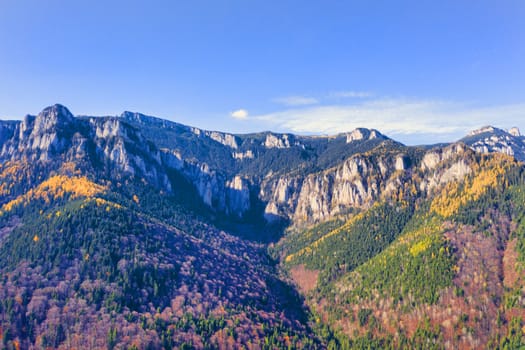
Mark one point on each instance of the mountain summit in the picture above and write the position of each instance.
(490, 139)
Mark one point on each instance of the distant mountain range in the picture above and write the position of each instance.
(138, 232)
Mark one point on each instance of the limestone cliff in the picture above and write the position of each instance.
(276, 176)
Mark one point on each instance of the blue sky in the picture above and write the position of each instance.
(419, 71)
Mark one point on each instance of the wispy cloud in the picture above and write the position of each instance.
(405, 118)
(351, 94)
(240, 114)
(296, 100)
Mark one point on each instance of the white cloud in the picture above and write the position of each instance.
(408, 119)
(351, 94)
(296, 101)
(240, 114)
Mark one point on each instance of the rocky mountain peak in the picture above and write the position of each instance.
(51, 117)
(277, 141)
(362, 134)
(482, 130)
(515, 131)
(490, 139)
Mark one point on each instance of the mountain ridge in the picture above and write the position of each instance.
(233, 174)
(346, 239)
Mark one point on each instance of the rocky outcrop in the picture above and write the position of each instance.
(40, 137)
(238, 196)
(490, 139)
(243, 155)
(125, 148)
(360, 181)
(442, 165)
(515, 132)
(280, 196)
(277, 141)
(434, 157)
(362, 134)
(229, 196)
(172, 159)
(55, 135)
(454, 172)
(485, 129)
(356, 183)
(402, 162)
(324, 177)
(222, 138)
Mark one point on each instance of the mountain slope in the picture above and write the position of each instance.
(137, 232)
(92, 254)
(423, 271)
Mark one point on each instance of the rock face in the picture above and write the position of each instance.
(240, 174)
(277, 141)
(483, 130)
(358, 182)
(222, 138)
(40, 137)
(243, 155)
(362, 134)
(490, 139)
(434, 157)
(515, 132)
(128, 150)
(238, 196)
(55, 135)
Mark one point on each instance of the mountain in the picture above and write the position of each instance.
(137, 232)
(490, 139)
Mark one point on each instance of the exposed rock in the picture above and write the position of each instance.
(356, 183)
(51, 118)
(56, 135)
(362, 134)
(243, 155)
(490, 139)
(515, 131)
(38, 137)
(431, 160)
(271, 213)
(110, 128)
(482, 130)
(225, 139)
(457, 171)
(281, 196)
(273, 141)
(307, 194)
(172, 159)
(125, 147)
(79, 147)
(401, 162)
(222, 138)
(434, 157)
(238, 196)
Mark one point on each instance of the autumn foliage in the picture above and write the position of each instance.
(58, 187)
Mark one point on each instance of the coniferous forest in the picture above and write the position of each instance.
(132, 232)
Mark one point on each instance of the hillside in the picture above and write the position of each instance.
(93, 256)
(444, 271)
(137, 232)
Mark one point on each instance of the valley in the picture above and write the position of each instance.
(134, 232)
